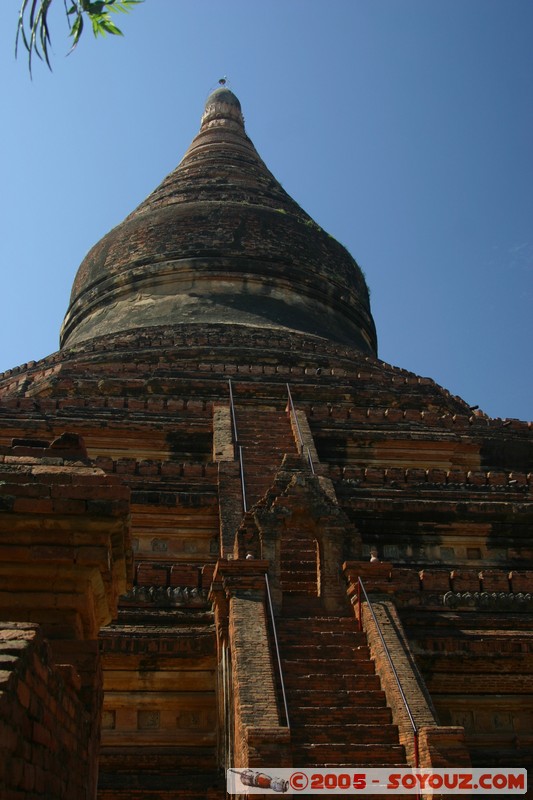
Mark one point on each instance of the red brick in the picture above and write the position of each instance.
(23, 694)
(184, 576)
(465, 580)
(53, 553)
(150, 575)
(522, 580)
(435, 580)
(28, 778)
(24, 505)
(494, 580)
(41, 735)
(69, 506)
(495, 478)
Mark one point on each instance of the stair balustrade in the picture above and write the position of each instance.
(362, 593)
(301, 446)
(243, 484)
(237, 449)
(273, 621)
(233, 419)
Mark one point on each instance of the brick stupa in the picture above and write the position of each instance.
(217, 434)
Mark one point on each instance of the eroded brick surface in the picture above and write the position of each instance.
(121, 505)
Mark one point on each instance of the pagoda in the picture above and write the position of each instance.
(232, 536)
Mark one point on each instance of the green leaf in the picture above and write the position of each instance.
(94, 8)
(95, 22)
(122, 6)
(34, 33)
(76, 31)
(109, 27)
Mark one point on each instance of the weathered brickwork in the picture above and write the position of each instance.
(260, 734)
(469, 635)
(83, 545)
(216, 414)
(47, 737)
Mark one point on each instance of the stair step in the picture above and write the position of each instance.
(299, 571)
(321, 624)
(277, 435)
(296, 650)
(336, 705)
(308, 678)
(300, 587)
(318, 639)
(295, 542)
(299, 595)
(327, 668)
(303, 562)
(325, 733)
(253, 473)
(295, 606)
(296, 549)
(270, 439)
(279, 427)
(258, 444)
(355, 754)
(259, 491)
(275, 423)
(260, 450)
(265, 437)
(307, 585)
(292, 559)
(376, 715)
(250, 419)
(299, 583)
(253, 424)
(340, 698)
(258, 476)
(298, 566)
(302, 576)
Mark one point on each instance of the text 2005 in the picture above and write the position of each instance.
(329, 780)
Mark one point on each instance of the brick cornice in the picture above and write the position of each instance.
(241, 575)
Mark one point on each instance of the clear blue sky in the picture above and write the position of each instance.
(404, 127)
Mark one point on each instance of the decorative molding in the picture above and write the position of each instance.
(497, 601)
(165, 597)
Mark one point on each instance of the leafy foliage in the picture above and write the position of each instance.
(34, 32)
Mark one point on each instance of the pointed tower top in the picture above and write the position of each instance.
(222, 104)
(220, 242)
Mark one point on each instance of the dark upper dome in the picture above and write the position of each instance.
(225, 96)
(220, 241)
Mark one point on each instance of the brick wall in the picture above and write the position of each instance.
(253, 681)
(46, 733)
(239, 592)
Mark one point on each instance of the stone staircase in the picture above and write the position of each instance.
(337, 709)
(265, 436)
(338, 712)
(299, 566)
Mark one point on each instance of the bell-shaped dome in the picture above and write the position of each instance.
(220, 241)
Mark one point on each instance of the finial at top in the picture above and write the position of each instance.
(222, 104)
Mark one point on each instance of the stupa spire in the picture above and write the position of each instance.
(222, 104)
(220, 242)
